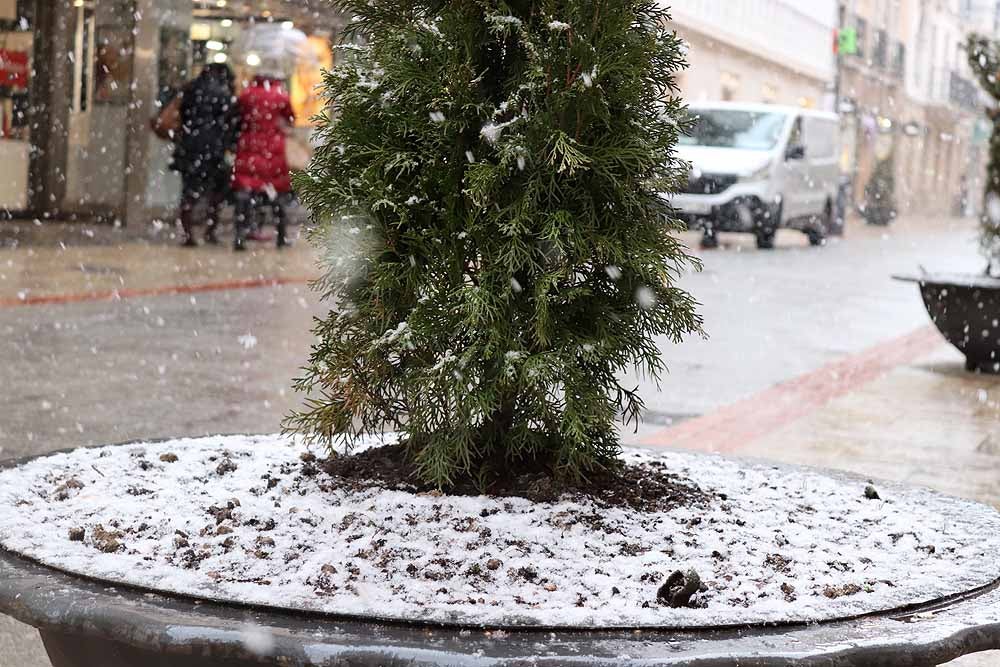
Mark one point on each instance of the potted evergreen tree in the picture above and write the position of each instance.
(880, 194)
(517, 253)
(495, 250)
(984, 59)
(964, 307)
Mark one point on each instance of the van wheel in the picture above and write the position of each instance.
(765, 238)
(817, 231)
(766, 229)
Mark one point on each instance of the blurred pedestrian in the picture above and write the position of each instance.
(261, 176)
(209, 126)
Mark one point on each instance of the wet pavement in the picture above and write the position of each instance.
(110, 335)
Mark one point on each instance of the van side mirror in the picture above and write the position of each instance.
(795, 152)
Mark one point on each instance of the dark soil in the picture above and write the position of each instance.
(646, 488)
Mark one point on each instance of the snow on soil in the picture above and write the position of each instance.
(242, 518)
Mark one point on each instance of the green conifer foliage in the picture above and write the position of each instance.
(491, 174)
(984, 59)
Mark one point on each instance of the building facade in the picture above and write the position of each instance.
(907, 94)
(75, 139)
(774, 51)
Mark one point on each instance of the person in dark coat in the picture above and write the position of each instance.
(210, 125)
(261, 172)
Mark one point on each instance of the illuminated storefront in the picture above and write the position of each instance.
(16, 57)
(75, 139)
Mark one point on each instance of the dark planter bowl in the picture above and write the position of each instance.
(85, 622)
(966, 310)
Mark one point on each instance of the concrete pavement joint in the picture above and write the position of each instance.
(733, 427)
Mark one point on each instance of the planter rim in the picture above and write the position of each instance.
(56, 602)
(975, 280)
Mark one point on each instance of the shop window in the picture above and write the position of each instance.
(114, 50)
(174, 65)
(16, 61)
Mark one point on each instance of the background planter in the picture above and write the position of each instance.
(966, 309)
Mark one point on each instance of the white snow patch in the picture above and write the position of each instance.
(260, 531)
(491, 131)
(499, 20)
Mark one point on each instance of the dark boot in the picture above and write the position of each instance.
(210, 236)
(211, 232)
(214, 203)
(187, 222)
(282, 222)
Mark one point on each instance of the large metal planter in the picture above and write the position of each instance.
(85, 622)
(966, 310)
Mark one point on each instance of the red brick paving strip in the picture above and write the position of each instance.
(116, 295)
(735, 426)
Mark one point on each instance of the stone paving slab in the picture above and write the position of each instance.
(927, 423)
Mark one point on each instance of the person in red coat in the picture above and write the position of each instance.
(261, 173)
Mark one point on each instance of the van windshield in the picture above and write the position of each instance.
(732, 128)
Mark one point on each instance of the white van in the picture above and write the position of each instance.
(758, 167)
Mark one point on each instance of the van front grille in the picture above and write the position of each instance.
(709, 184)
